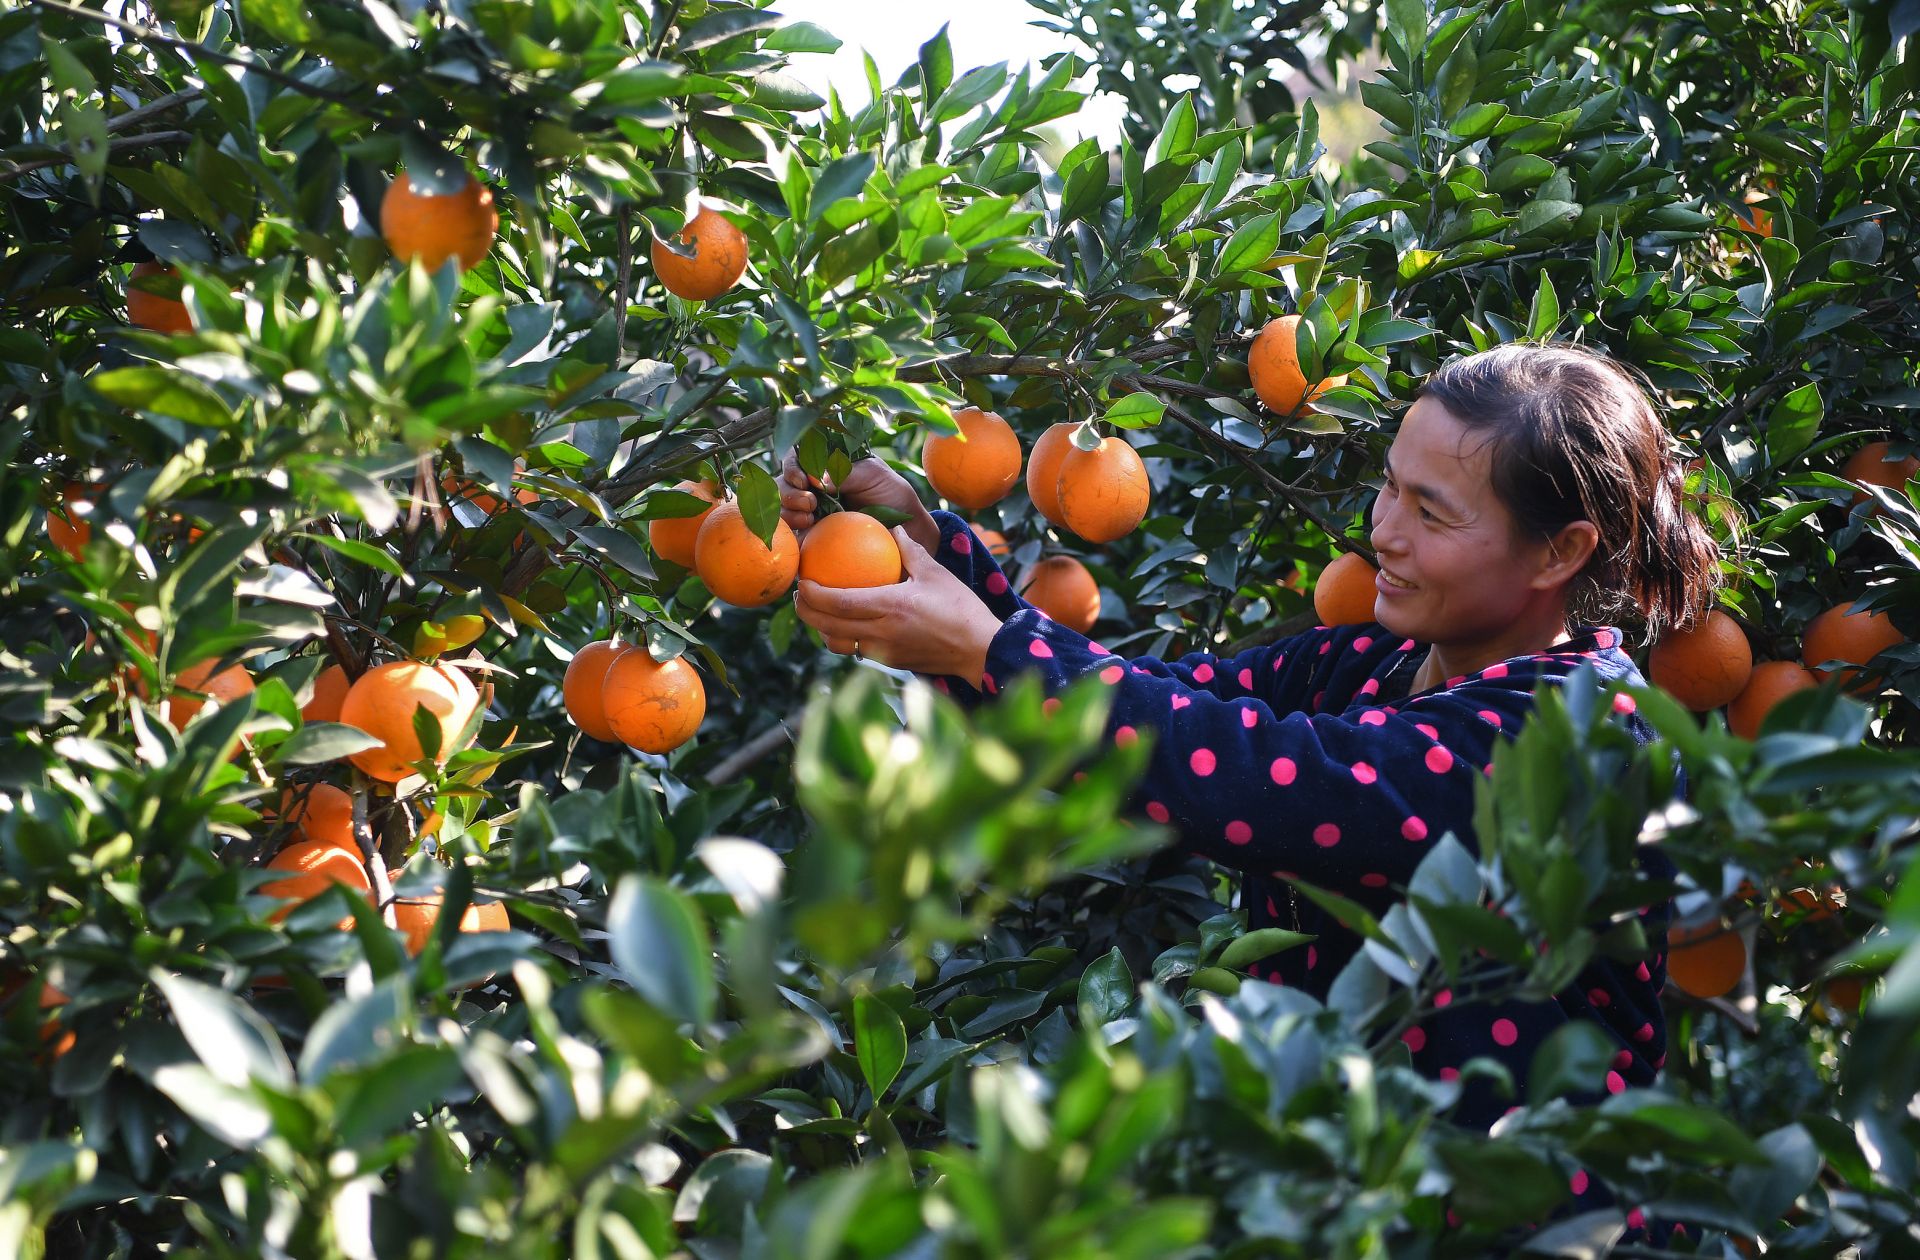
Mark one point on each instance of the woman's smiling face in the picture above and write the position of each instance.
(1454, 569)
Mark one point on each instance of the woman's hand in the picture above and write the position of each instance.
(870, 483)
(930, 623)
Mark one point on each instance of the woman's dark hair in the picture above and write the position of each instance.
(1575, 437)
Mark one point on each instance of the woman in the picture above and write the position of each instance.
(1531, 496)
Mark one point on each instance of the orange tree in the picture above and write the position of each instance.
(366, 363)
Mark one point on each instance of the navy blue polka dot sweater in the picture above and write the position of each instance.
(1309, 758)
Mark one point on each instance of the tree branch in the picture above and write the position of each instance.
(118, 143)
(766, 742)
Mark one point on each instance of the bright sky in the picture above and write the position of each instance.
(981, 31)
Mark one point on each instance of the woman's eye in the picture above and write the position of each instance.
(1427, 516)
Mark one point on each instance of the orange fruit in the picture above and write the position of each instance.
(329, 690)
(382, 703)
(673, 537)
(1706, 960)
(415, 916)
(309, 868)
(736, 566)
(977, 466)
(1061, 587)
(719, 258)
(1344, 595)
(1043, 471)
(1845, 993)
(435, 228)
(1870, 466)
(466, 488)
(1771, 682)
(322, 812)
(1274, 364)
(67, 529)
(1855, 637)
(850, 549)
(652, 705)
(1815, 905)
(196, 684)
(1704, 666)
(52, 999)
(1104, 493)
(155, 311)
(994, 540)
(584, 686)
(1751, 217)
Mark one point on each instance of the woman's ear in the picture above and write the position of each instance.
(1567, 553)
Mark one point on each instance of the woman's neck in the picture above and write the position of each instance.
(1458, 660)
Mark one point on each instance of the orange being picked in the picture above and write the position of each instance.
(1704, 666)
(382, 703)
(153, 311)
(1770, 683)
(718, 260)
(329, 691)
(1854, 637)
(1274, 364)
(415, 916)
(1344, 595)
(320, 812)
(68, 528)
(975, 467)
(736, 566)
(197, 684)
(673, 537)
(994, 540)
(1104, 492)
(848, 550)
(434, 228)
(1706, 959)
(1043, 471)
(1061, 587)
(585, 684)
(308, 868)
(1871, 466)
(652, 705)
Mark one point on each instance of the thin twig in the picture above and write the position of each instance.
(117, 144)
(768, 741)
(158, 105)
(623, 287)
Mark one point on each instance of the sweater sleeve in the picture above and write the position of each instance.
(1345, 800)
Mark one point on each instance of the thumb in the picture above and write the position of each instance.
(912, 554)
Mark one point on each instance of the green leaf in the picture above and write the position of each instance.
(1106, 989)
(164, 392)
(361, 553)
(318, 742)
(236, 1045)
(936, 67)
(1569, 1061)
(1136, 411)
(723, 24)
(356, 1030)
(1544, 316)
(803, 37)
(1261, 943)
(1794, 423)
(842, 177)
(1407, 22)
(759, 497)
(659, 941)
(1177, 134)
(880, 1042)
(1250, 246)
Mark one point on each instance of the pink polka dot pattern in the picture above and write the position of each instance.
(992, 687)
(1203, 673)
(1641, 973)
(1489, 717)
(1616, 1084)
(1249, 719)
(962, 544)
(1373, 879)
(1599, 997)
(940, 685)
(1096, 649)
(1622, 1060)
(1449, 1073)
(996, 584)
(1040, 649)
(1326, 835)
(1318, 696)
(1125, 736)
(1273, 911)
(1494, 671)
(1439, 760)
(1624, 703)
(1112, 674)
(1283, 770)
(1636, 1219)
(1239, 832)
(1603, 640)
(1415, 1039)
(1364, 773)
(1362, 643)
(1181, 702)
(1429, 731)
(1313, 957)
(1443, 999)
(1643, 1034)
(1158, 812)
(1371, 687)
(1203, 762)
(1374, 717)
(1504, 1032)
(1414, 827)
(1050, 706)
(1245, 679)
(1324, 647)
(1578, 1182)
(1408, 646)
(1279, 659)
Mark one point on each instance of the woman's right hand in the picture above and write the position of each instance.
(870, 483)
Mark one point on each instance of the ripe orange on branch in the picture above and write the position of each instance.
(1274, 364)
(585, 683)
(652, 705)
(1770, 683)
(1043, 471)
(736, 566)
(850, 550)
(977, 466)
(995, 541)
(309, 868)
(434, 227)
(1061, 587)
(1704, 666)
(1706, 960)
(329, 692)
(1870, 466)
(673, 537)
(1104, 492)
(68, 528)
(718, 260)
(1344, 595)
(383, 701)
(415, 916)
(319, 812)
(155, 311)
(197, 684)
(1854, 637)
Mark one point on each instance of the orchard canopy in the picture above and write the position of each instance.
(427, 829)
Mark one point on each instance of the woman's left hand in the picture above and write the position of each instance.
(930, 623)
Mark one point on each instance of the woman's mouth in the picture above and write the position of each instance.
(1387, 581)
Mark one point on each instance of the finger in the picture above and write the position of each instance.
(798, 522)
(798, 501)
(912, 554)
(865, 604)
(843, 646)
(837, 629)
